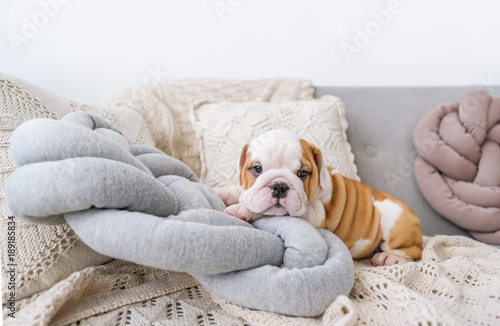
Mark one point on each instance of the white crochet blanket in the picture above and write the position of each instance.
(457, 282)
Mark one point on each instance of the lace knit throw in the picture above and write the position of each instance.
(457, 282)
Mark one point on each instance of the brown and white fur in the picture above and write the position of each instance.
(281, 174)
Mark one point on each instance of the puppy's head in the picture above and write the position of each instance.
(280, 174)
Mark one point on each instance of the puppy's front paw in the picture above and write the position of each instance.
(229, 195)
(233, 210)
(240, 211)
(387, 259)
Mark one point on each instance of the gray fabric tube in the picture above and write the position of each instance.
(176, 245)
(305, 292)
(53, 188)
(41, 140)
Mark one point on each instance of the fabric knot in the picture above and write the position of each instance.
(458, 168)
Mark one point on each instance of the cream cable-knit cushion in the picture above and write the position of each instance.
(223, 128)
(45, 255)
(166, 106)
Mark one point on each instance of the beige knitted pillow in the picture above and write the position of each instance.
(44, 255)
(223, 128)
(166, 106)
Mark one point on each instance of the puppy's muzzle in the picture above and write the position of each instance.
(279, 190)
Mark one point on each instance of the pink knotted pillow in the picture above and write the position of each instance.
(458, 168)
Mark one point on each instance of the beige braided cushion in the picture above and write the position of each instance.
(47, 254)
(166, 106)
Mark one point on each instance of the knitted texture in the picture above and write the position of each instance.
(39, 248)
(189, 306)
(95, 290)
(223, 128)
(166, 106)
(341, 312)
(46, 255)
(457, 282)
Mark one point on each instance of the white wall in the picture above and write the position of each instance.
(91, 48)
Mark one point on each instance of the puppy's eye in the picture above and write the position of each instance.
(303, 174)
(256, 170)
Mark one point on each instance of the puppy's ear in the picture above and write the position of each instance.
(243, 159)
(324, 177)
(321, 164)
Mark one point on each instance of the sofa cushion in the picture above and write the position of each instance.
(224, 128)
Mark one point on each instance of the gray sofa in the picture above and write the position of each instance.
(73, 283)
(381, 123)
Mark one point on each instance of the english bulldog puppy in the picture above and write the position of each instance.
(282, 174)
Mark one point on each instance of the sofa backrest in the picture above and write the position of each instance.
(381, 123)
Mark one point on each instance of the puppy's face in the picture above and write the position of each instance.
(280, 174)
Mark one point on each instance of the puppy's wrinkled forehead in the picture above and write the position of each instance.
(277, 149)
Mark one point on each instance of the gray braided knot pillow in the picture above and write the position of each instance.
(135, 203)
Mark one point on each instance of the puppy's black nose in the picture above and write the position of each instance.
(279, 190)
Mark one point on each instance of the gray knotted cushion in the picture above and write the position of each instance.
(136, 203)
